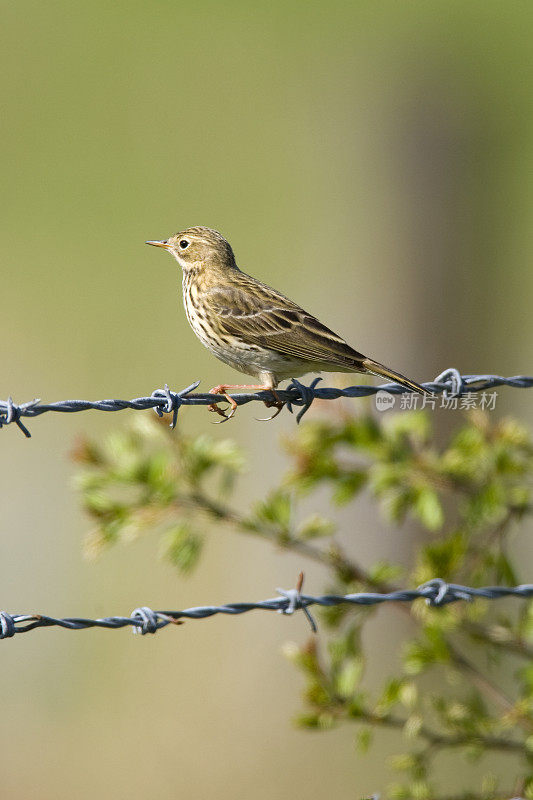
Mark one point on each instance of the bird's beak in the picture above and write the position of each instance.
(163, 243)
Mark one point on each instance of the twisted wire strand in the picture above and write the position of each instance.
(436, 593)
(165, 401)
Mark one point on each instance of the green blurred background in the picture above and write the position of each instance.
(374, 161)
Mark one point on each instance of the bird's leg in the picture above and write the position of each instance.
(222, 389)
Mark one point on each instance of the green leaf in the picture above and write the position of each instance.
(315, 527)
(362, 433)
(389, 696)
(413, 725)
(519, 498)
(364, 740)
(505, 572)
(416, 424)
(397, 502)
(347, 485)
(309, 721)
(488, 506)
(317, 695)
(356, 706)
(443, 557)
(385, 572)
(348, 677)
(417, 657)
(408, 694)
(326, 721)
(428, 509)
(276, 509)
(161, 474)
(181, 546)
(421, 790)
(404, 762)
(400, 791)
(305, 658)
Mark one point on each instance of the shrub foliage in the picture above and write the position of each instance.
(463, 681)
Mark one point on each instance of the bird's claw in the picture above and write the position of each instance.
(214, 407)
(277, 404)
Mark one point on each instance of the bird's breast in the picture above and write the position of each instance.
(203, 323)
(246, 357)
(196, 311)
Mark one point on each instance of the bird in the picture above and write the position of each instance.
(253, 327)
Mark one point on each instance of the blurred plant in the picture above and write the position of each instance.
(467, 495)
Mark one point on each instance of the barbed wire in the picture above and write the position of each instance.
(165, 401)
(436, 593)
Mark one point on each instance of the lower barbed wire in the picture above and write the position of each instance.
(436, 593)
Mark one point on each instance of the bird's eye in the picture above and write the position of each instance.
(184, 244)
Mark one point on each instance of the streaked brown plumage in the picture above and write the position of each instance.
(251, 326)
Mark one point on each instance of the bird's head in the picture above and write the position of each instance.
(197, 248)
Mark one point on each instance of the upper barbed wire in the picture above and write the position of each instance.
(436, 593)
(449, 382)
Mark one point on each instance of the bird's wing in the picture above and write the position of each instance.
(260, 315)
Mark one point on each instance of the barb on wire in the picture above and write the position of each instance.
(165, 401)
(294, 596)
(144, 620)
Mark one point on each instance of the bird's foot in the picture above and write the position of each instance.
(221, 389)
(276, 403)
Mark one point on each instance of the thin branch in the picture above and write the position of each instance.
(506, 640)
(498, 743)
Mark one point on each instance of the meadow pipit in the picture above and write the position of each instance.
(254, 328)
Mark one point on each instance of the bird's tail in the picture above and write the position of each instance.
(379, 369)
